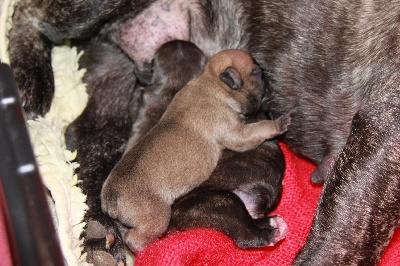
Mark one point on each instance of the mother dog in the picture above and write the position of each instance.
(337, 63)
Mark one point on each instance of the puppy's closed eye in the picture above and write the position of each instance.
(231, 77)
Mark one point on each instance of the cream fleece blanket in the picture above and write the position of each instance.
(47, 135)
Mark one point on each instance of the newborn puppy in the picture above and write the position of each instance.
(175, 64)
(241, 191)
(183, 148)
(255, 175)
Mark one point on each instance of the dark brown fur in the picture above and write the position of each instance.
(100, 136)
(175, 64)
(245, 182)
(336, 63)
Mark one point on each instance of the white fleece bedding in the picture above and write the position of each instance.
(47, 135)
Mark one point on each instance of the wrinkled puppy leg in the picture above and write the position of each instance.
(99, 135)
(143, 218)
(363, 193)
(249, 136)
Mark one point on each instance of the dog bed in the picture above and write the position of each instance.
(192, 247)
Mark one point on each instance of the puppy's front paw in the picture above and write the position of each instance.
(284, 122)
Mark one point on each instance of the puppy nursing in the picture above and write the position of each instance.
(183, 148)
(175, 64)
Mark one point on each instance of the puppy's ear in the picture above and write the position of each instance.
(231, 77)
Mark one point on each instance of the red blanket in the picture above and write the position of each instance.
(208, 247)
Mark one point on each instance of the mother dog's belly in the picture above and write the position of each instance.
(163, 21)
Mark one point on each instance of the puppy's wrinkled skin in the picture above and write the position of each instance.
(336, 63)
(206, 116)
(235, 200)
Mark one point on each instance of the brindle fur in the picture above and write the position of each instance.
(336, 63)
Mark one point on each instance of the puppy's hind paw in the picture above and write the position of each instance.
(102, 258)
(274, 229)
(280, 229)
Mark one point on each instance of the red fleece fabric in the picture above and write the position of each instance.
(209, 247)
(297, 207)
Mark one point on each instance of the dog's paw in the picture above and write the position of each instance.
(135, 241)
(103, 244)
(321, 173)
(274, 227)
(280, 229)
(265, 232)
(102, 258)
(284, 122)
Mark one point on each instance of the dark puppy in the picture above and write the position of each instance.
(241, 191)
(174, 64)
(335, 63)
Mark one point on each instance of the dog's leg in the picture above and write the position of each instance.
(147, 224)
(360, 203)
(249, 136)
(37, 25)
(99, 134)
(322, 171)
(30, 59)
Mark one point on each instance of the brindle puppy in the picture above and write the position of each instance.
(335, 63)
